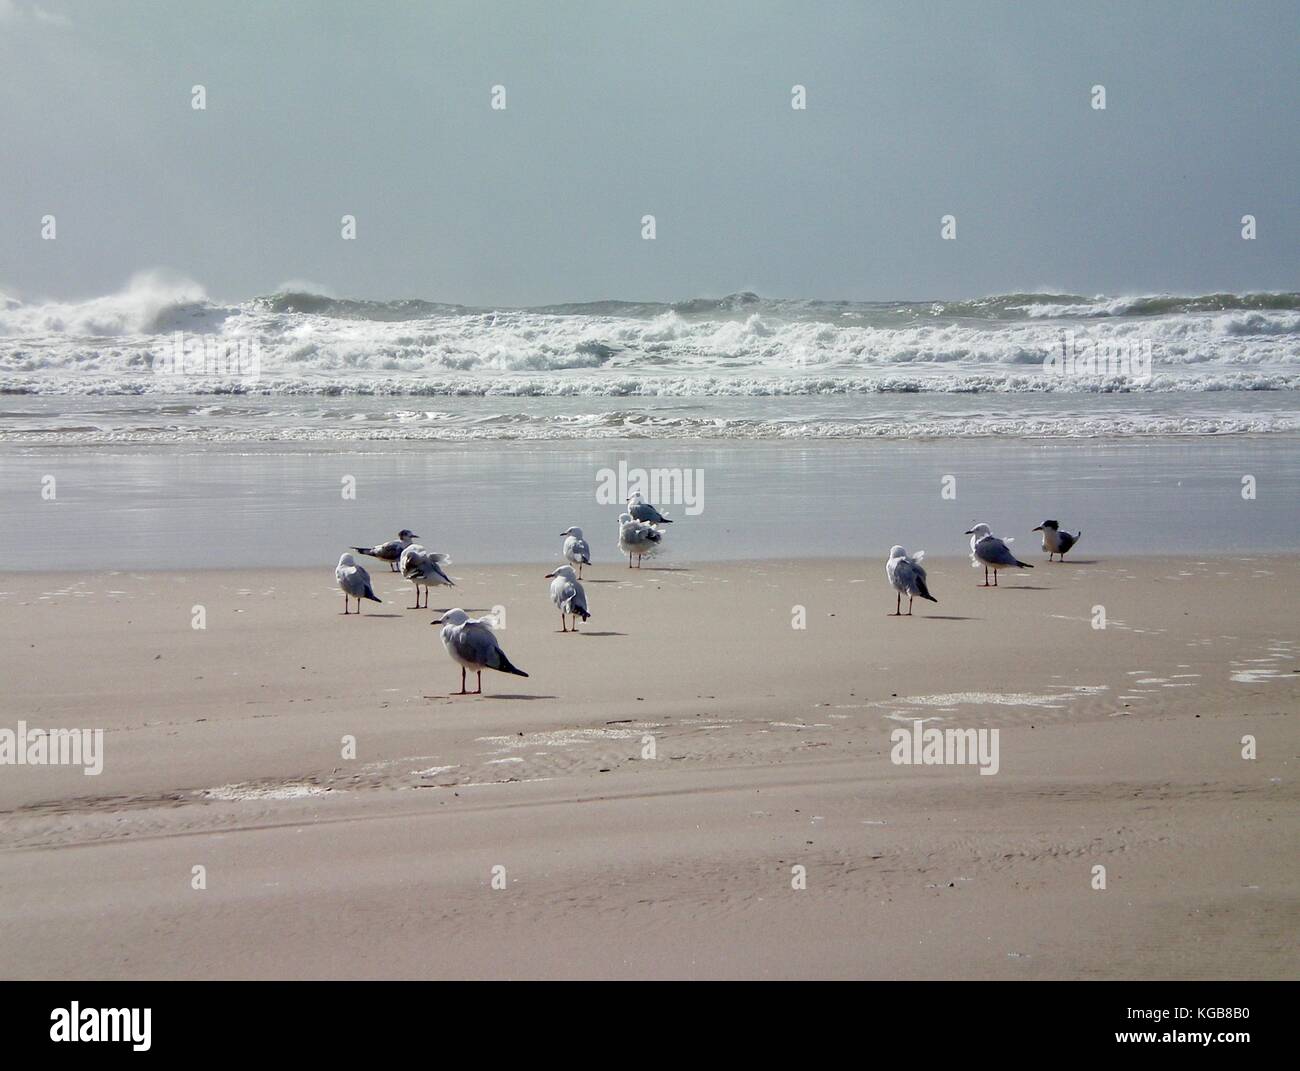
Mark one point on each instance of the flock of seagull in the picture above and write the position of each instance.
(472, 643)
(907, 574)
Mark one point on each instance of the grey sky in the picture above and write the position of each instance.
(682, 110)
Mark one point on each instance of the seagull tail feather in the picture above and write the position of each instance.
(506, 666)
(372, 596)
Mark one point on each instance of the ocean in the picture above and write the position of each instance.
(179, 432)
(161, 363)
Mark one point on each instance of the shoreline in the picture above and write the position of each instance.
(499, 503)
(607, 569)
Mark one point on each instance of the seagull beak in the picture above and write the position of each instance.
(1038, 529)
(969, 531)
(549, 576)
(436, 621)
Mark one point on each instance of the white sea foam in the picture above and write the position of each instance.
(314, 347)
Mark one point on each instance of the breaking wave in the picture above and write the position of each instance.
(297, 343)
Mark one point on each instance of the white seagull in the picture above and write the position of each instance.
(641, 510)
(392, 550)
(636, 538)
(568, 594)
(423, 568)
(1055, 541)
(576, 550)
(473, 645)
(908, 577)
(988, 550)
(354, 582)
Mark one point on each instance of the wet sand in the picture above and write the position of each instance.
(283, 504)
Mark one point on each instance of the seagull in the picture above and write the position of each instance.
(392, 550)
(643, 511)
(354, 581)
(1054, 540)
(472, 643)
(908, 577)
(988, 550)
(423, 569)
(636, 538)
(568, 594)
(575, 548)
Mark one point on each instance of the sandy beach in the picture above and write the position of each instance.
(223, 748)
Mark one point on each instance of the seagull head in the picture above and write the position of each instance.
(897, 552)
(634, 497)
(1053, 525)
(575, 532)
(565, 571)
(406, 535)
(625, 518)
(347, 559)
(980, 530)
(451, 617)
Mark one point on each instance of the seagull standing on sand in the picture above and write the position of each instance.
(908, 577)
(1055, 541)
(354, 581)
(568, 594)
(641, 510)
(576, 550)
(392, 550)
(988, 550)
(636, 538)
(473, 645)
(423, 569)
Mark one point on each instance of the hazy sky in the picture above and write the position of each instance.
(680, 110)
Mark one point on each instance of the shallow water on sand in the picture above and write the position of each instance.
(278, 505)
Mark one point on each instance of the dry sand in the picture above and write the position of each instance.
(1120, 747)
